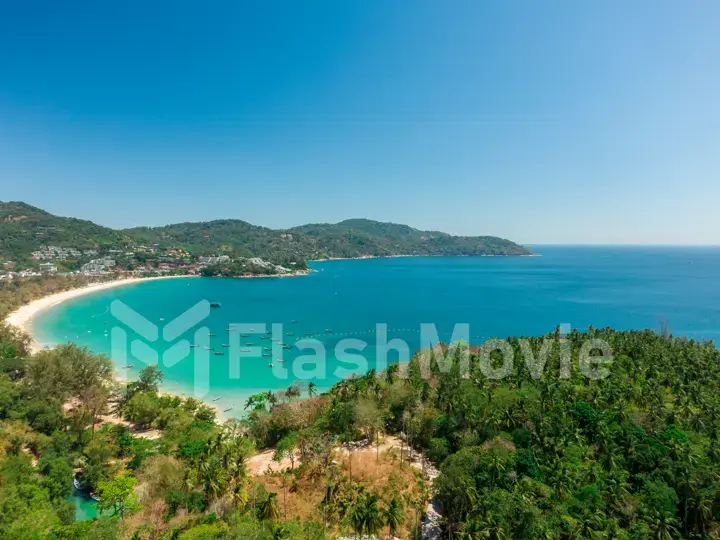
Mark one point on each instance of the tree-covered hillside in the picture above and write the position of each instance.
(24, 229)
(350, 238)
(367, 237)
(633, 456)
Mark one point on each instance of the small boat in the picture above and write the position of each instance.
(271, 365)
(294, 321)
(290, 334)
(287, 346)
(212, 335)
(94, 497)
(279, 360)
(214, 304)
(267, 349)
(219, 353)
(264, 337)
(250, 344)
(244, 335)
(275, 339)
(267, 354)
(225, 345)
(208, 348)
(230, 408)
(268, 331)
(193, 346)
(77, 484)
(217, 398)
(329, 330)
(244, 350)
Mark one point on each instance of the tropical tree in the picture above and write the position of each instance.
(286, 448)
(117, 495)
(269, 510)
(394, 515)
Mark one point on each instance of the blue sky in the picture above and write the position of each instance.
(544, 122)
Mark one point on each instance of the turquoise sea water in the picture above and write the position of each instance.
(624, 287)
(85, 507)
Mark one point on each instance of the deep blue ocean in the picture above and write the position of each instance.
(624, 287)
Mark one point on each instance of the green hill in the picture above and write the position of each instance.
(367, 237)
(24, 229)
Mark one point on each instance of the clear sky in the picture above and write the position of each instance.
(556, 121)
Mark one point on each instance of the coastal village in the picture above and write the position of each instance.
(139, 261)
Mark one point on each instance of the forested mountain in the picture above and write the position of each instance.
(24, 229)
(377, 238)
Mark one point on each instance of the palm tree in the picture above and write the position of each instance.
(270, 398)
(312, 389)
(391, 373)
(365, 515)
(394, 516)
(357, 519)
(590, 524)
(373, 514)
(663, 526)
(293, 391)
(280, 532)
(269, 510)
(250, 402)
(473, 530)
(213, 476)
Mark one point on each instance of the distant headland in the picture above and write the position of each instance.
(34, 242)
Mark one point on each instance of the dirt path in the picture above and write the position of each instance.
(263, 463)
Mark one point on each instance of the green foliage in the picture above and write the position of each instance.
(24, 229)
(117, 495)
(214, 531)
(438, 449)
(269, 510)
(8, 395)
(632, 456)
(142, 409)
(286, 448)
(190, 501)
(58, 475)
(522, 437)
(26, 509)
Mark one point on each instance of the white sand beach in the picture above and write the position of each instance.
(22, 318)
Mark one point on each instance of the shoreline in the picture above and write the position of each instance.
(365, 257)
(297, 273)
(22, 317)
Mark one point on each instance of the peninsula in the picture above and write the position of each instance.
(33, 242)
